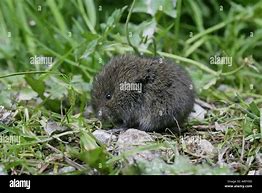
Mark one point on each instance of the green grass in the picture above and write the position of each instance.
(82, 35)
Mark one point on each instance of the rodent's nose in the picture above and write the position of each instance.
(102, 113)
(99, 114)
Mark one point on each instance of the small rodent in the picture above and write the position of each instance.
(149, 94)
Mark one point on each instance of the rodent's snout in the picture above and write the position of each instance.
(103, 114)
(99, 114)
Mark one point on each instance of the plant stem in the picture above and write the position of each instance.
(198, 64)
(126, 26)
(30, 72)
(177, 23)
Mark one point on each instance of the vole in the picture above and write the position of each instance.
(150, 94)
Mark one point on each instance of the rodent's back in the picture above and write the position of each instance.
(165, 100)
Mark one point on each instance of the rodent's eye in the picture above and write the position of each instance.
(108, 96)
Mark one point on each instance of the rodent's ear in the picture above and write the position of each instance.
(147, 78)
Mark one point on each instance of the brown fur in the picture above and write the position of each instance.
(166, 100)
